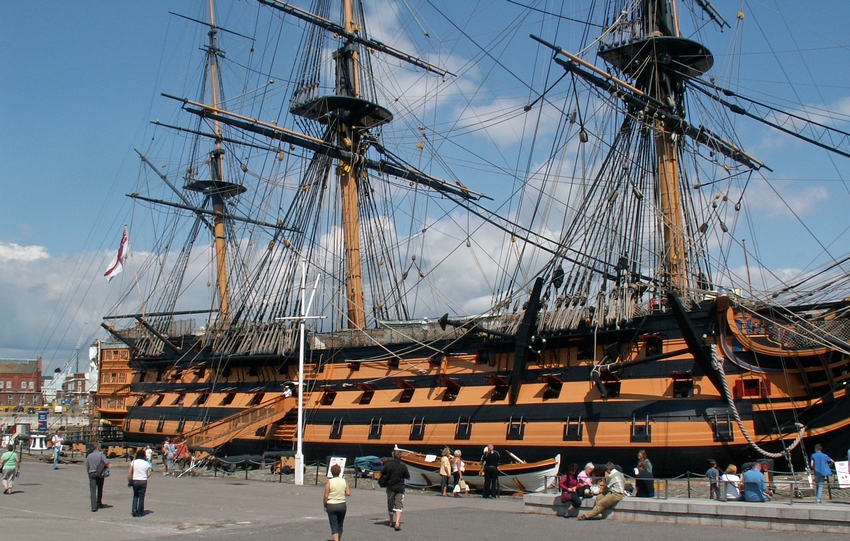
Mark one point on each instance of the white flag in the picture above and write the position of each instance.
(118, 266)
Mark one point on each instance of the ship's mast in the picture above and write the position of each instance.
(666, 148)
(348, 83)
(217, 188)
(655, 54)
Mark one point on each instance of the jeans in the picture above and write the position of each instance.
(139, 489)
(819, 481)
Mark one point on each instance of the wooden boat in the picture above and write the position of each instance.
(612, 314)
(516, 476)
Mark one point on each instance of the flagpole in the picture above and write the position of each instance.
(135, 274)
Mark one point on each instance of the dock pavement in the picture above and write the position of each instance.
(54, 504)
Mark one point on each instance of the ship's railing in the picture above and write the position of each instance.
(235, 423)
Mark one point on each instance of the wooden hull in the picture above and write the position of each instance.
(362, 400)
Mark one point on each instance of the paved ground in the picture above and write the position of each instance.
(50, 504)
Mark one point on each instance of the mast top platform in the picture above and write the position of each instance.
(216, 187)
(674, 54)
(355, 112)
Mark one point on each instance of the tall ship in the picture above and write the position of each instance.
(370, 227)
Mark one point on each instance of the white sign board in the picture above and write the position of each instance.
(843, 474)
(336, 460)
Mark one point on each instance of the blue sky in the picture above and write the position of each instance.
(81, 81)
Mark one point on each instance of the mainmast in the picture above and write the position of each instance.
(348, 83)
(348, 115)
(217, 189)
(654, 53)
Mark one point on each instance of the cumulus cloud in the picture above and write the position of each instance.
(9, 251)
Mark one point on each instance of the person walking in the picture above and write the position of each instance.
(490, 463)
(445, 471)
(395, 472)
(820, 464)
(96, 465)
(11, 464)
(57, 440)
(137, 477)
(336, 490)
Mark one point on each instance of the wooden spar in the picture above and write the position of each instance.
(217, 166)
(671, 207)
(666, 150)
(347, 60)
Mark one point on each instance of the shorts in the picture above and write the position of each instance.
(444, 481)
(395, 501)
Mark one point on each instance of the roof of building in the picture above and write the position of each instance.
(18, 366)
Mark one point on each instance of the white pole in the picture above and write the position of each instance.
(299, 451)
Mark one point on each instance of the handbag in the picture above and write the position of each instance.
(462, 485)
(102, 471)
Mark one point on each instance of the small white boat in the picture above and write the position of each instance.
(514, 476)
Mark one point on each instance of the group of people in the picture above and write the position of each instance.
(576, 486)
(97, 468)
(751, 486)
(175, 454)
(452, 468)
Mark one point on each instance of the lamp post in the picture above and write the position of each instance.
(299, 431)
(299, 438)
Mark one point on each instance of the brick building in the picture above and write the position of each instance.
(20, 383)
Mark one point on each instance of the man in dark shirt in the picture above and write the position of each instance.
(644, 482)
(395, 472)
(490, 463)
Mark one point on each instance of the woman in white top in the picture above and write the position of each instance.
(137, 477)
(458, 469)
(732, 482)
(336, 489)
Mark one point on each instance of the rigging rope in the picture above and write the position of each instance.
(717, 360)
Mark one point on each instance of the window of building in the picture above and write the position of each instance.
(113, 377)
(8, 384)
(9, 398)
(22, 399)
(122, 377)
(2, 383)
(23, 385)
(32, 385)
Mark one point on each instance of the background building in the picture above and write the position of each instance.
(20, 384)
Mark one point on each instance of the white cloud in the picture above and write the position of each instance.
(9, 251)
